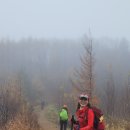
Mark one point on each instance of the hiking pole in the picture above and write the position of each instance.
(72, 122)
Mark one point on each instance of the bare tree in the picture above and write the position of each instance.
(10, 100)
(84, 81)
(110, 94)
(126, 100)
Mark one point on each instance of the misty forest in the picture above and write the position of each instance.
(39, 76)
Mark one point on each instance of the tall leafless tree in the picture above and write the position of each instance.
(110, 93)
(84, 77)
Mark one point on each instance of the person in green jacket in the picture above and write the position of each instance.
(64, 118)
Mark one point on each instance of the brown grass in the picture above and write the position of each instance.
(118, 124)
(16, 112)
(21, 122)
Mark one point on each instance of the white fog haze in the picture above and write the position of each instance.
(53, 50)
(64, 18)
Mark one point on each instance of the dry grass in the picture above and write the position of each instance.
(16, 113)
(21, 122)
(118, 124)
(52, 114)
(25, 120)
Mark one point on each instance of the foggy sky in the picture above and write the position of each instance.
(64, 18)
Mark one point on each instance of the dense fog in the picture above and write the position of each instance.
(52, 51)
(49, 64)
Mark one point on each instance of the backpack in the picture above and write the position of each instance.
(98, 118)
(98, 115)
(63, 115)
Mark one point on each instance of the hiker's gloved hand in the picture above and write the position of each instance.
(74, 121)
(101, 119)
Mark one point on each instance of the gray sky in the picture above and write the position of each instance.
(64, 18)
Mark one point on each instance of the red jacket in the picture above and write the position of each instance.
(85, 117)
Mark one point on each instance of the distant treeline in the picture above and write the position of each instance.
(44, 66)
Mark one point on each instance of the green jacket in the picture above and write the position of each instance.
(63, 115)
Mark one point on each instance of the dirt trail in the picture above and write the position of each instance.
(45, 124)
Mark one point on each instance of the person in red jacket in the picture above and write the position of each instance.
(84, 114)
